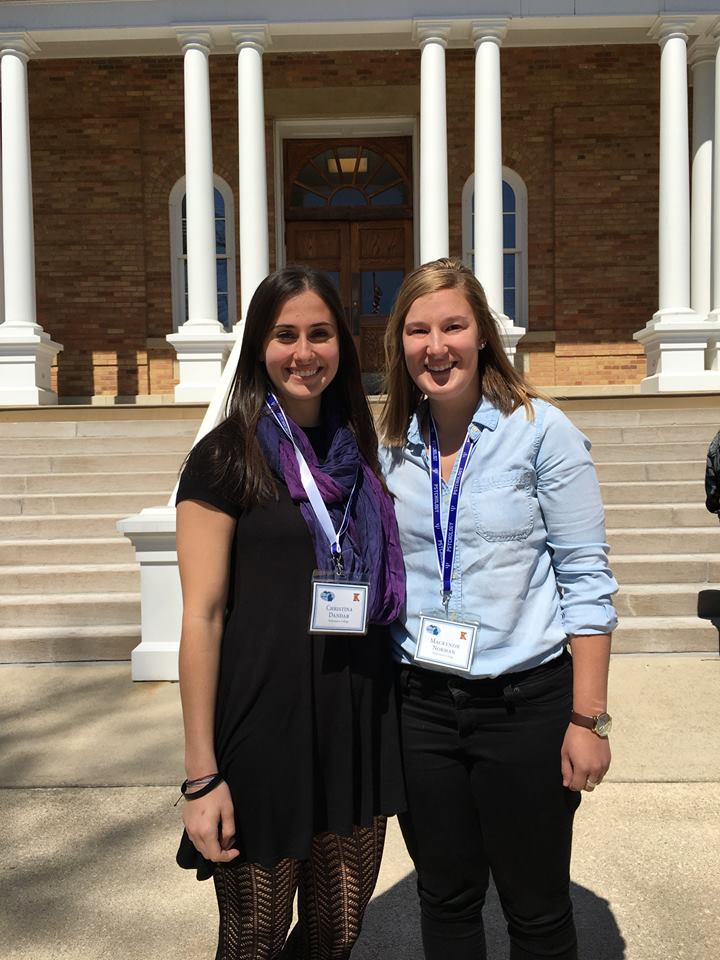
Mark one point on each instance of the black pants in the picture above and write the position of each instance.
(485, 793)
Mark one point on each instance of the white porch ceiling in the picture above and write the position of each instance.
(111, 28)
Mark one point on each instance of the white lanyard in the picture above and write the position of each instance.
(311, 488)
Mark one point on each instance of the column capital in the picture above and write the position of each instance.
(256, 36)
(493, 29)
(714, 31)
(426, 31)
(190, 38)
(703, 51)
(667, 27)
(21, 44)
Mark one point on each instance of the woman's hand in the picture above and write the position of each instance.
(210, 824)
(585, 757)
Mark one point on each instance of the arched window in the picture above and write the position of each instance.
(224, 253)
(514, 242)
(348, 178)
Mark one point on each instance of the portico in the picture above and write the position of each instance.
(680, 339)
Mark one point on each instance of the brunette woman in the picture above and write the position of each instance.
(501, 526)
(292, 753)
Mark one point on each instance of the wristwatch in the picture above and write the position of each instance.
(601, 724)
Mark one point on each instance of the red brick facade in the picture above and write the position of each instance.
(580, 126)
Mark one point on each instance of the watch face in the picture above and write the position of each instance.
(603, 724)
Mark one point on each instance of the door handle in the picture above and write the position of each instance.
(355, 305)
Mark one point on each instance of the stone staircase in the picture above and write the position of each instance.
(69, 584)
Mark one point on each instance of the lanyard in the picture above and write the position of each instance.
(311, 488)
(445, 540)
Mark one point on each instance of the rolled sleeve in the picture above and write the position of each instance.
(569, 497)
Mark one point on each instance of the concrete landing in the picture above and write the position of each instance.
(89, 764)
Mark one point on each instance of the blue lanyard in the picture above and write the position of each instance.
(445, 540)
(311, 488)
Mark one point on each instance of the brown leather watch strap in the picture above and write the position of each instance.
(582, 721)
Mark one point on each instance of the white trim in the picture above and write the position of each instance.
(328, 129)
(521, 236)
(177, 279)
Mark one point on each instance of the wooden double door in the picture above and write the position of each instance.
(367, 261)
(348, 212)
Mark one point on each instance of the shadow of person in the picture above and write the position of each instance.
(392, 926)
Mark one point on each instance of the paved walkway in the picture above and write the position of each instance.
(89, 764)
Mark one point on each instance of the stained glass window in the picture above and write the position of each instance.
(350, 175)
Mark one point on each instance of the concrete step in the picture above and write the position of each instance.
(90, 463)
(49, 579)
(664, 541)
(665, 635)
(70, 609)
(88, 445)
(639, 417)
(657, 600)
(56, 527)
(700, 569)
(662, 471)
(161, 481)
(55, 644)
(654, 515)
(681, 433)
(71, 429)
(648, 452)
(115, 549)
(673, 491)
(71, 504)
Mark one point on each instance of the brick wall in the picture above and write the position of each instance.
(580, 125)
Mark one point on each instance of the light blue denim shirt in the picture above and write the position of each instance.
(531, 557)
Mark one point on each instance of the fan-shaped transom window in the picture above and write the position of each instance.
(351, 175)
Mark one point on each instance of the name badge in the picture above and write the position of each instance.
(446, 644)
(338, 605)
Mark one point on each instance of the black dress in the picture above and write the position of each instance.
(306, 730)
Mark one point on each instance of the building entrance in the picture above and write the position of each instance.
(348, 212)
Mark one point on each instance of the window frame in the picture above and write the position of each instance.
(177, 274)
(517, 185)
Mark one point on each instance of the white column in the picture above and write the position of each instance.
(488, 36)
(201, 343)
(715, 252)
(251, 40)
(434, 221)
(676, 339)
(702, 61)
(26, 351)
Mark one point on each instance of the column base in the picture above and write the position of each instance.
(510, 335)
(152, 533)
(201, 353)
(26, 356)
(680, 347)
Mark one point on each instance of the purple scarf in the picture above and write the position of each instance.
(371, 545)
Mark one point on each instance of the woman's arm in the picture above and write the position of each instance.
(584, 754)
(569, 497)
(204, 536)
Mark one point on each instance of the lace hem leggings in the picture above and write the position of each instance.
(334, 887)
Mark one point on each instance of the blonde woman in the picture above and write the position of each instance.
(502, 530)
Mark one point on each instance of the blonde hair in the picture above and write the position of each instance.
(501, 383)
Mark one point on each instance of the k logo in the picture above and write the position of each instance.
(356, 598)
(463, 635)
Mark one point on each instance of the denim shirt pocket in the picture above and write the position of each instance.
(503, 506)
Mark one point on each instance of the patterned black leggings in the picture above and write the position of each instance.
(334, 887)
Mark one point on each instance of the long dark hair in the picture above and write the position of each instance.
(231, 451)
(501, 382)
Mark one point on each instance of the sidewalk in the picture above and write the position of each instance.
(89, 767)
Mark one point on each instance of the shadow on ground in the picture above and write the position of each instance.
(392, 926)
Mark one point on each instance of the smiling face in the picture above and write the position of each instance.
(302, 355)
(441, 342)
